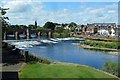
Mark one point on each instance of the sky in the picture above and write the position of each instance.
(27, 11)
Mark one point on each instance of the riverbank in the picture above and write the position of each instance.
(61, 70)
(108, 50)
(39, 60)
(109, 47)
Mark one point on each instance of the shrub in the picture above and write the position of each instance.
(91, 43)
(112, 67)
(32, 58)
(61, 35)
(102, 44)
(118, 46)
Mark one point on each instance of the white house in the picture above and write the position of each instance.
(112, 32)
(107, 29)
(67, 27)
(103, 32)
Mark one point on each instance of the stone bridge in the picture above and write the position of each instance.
(26, 32)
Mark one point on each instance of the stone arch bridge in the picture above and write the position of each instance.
(26, 32)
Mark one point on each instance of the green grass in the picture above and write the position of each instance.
(102, 44)
(60, 71)
(112, 67)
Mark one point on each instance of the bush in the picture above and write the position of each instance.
(32, 58)
(41, 28)
(102, 44)
(91, 43)
(61, 35)
(112, 67)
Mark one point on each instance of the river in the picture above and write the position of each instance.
(66, 51)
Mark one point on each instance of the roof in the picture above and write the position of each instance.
(104, 23)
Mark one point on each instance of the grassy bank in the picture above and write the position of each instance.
(112, 67)
(101, 44)
(108, 50)
(61, 71)
(32, 58)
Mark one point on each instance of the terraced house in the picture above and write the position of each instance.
(106, 29)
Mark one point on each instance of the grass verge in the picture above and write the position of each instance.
(101, 44)
(38, 70)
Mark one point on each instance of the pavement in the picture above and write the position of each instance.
(11, 67)
(10, 71)
(11, 64)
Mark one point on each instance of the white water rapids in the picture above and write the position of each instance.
(22, 44)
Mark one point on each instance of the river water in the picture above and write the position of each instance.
(66, 51)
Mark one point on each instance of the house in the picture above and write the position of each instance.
(79, 29)
(107, 29)
(67, 27)
(57, 26)
(117, 31)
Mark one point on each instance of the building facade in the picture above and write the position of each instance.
(107, 29)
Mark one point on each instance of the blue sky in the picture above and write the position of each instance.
(27, 11)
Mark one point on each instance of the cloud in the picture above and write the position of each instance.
(95, 11)
(27, 11)
(101, 14)
(111, 11)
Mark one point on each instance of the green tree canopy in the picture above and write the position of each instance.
(72, 24)
(30, 26)
(49, 25)
(40, 28)
(60, 29)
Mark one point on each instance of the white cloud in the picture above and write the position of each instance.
(17, 6)
(101, 14)
(112, 6)
(26, 12)
(111, 11)
(95, 11)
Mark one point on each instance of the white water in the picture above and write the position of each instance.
(30, 43)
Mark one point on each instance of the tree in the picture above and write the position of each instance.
(35, 24)
(40, 28)
(63, 25)
(72, 26)
(95, 30)
(31, 26)
(82, 26)
(23, 26)
(49, 25)
(3, 21)
(60, 29)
